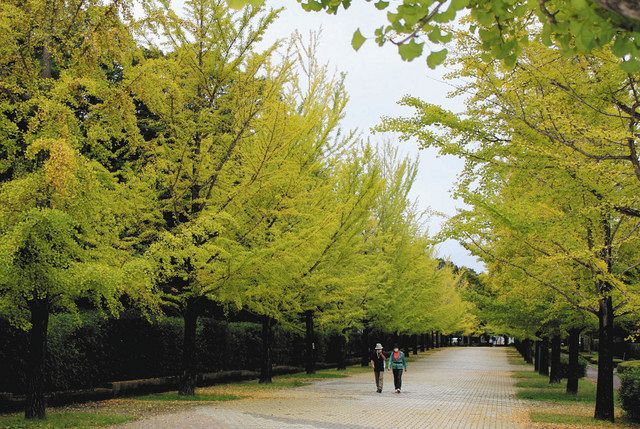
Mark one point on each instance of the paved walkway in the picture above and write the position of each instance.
(458, 388)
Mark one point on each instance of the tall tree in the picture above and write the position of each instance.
(68, 131)
(574, 213)
(214, 102)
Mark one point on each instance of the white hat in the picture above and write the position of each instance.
(378, 346)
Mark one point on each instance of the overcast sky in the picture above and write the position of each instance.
(376, 79)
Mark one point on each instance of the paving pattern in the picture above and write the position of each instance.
(461, 388)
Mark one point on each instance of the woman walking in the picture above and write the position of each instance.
(398, 364)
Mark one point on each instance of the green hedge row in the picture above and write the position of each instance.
(92, 351)
(628, 366)
(630, 390)
(564, 366)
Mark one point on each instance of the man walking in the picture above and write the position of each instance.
(378, 361)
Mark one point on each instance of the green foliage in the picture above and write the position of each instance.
(357, 40)
(564, 366)
(411, 50)
(169, 161)
(436, 58)
(630, 393)
(537, 178)
(630, 365)
(68, 127)
(87, 350)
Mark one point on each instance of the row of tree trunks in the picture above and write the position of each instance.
(524, 348)
(543, 363)
(527, 351)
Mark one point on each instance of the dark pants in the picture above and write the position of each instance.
(379, 376)
(397, 378)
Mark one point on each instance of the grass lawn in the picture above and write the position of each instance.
(64, 419)
(536, 387)
(122, 410)
(514, 358)
(550, 408)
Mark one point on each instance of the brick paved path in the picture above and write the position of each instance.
(451, 388)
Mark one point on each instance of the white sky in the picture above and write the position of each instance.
(376, 79)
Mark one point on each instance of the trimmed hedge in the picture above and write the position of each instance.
(94, 351)
(628, 366)
(564, 366)
(630, 392)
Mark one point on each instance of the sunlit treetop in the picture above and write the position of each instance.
(424, 27)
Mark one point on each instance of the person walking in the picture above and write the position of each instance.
(398, 363)
(378, 363)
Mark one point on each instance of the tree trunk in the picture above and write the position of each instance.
(266, 368)
(436, 337)
(415, 344)
(536, 356)
(35, 404)
(342, 351)
(555, 376)
(365, 347)
(604, 392)
(544, 357)
(310, 338)
(572, 376)
(188, 376)
(422, 342)
(526, 344)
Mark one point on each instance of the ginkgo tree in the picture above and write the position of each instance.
(216, 107)
(69, 138)
(285, 223)
(541, 148)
